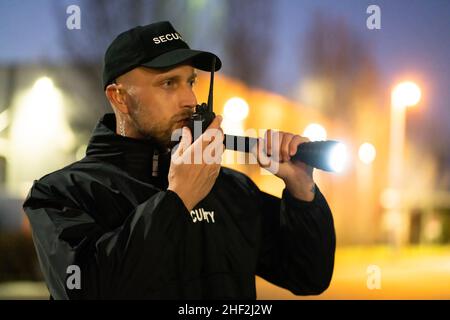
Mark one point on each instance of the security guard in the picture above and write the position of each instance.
(135, 223)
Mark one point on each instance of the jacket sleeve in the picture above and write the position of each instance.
(298, 243)
(136, 259)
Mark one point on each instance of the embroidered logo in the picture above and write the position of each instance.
(199, 215)
(167, 37)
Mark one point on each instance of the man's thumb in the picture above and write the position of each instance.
(186, 138)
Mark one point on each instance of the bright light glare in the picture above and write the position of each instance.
(39, 120)
(315, 132)
(367, 153)
(4, 120)
(44, 85)
(235, 109)
(41, 140)
(81, 152)
(406, 94)
(390, 198)
(338, 158)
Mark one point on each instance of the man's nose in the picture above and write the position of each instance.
(188, 98)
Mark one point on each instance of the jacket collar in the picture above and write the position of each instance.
(142, 159)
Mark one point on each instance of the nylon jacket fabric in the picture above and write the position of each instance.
(111, 215)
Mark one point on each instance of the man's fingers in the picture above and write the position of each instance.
(268, 141)
(184, 143)
(295, 142)
(180, 148)
(213, 133)
(281, 146)
(215, 124)
(213, 151)
(286, 139)
(186, 140)
(260, 154)
(273, 144)
(211, 139)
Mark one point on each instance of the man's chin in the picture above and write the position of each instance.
(175, 137)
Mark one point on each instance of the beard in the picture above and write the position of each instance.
(161, 132)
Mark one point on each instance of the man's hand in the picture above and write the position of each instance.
(279, 147)
(195, 166)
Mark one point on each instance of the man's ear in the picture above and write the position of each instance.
(117, 97)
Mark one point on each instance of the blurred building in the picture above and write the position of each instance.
(47, 113)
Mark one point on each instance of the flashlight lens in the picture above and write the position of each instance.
(337, 158)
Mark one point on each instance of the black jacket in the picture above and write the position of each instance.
(132, 238)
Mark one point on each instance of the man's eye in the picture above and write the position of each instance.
(168, 83)
(192, 82)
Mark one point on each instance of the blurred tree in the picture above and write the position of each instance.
(341, 72)
(101, 21)
(236, 30)
(341, 81)
(248, 35)
(19, 260)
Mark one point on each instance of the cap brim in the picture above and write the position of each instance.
(199, 59)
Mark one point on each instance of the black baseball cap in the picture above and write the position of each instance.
(157, 45)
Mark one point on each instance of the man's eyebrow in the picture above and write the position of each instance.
(177, 77)
(168, 77)
(193, 76)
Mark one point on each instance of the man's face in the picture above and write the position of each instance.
(159, 101)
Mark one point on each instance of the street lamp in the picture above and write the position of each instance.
(39, 133)
(367, 153)
(235, 111)
(405, 94)
(315, 132)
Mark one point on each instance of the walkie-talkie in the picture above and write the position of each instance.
(203, 115)
(316, 154)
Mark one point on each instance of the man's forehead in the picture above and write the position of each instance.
(180, 70)
(142, 73)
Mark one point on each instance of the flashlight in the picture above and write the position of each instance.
(328, 155)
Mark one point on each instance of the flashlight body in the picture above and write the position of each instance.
(314, 154)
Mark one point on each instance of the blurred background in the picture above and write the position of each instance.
(374, 77)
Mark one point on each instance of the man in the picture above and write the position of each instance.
(134, 224)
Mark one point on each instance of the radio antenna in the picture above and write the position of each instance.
(211, 85)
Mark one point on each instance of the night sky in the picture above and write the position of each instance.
(414, 40)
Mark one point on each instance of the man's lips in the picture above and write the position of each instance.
(184, 119)
(183, 122)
